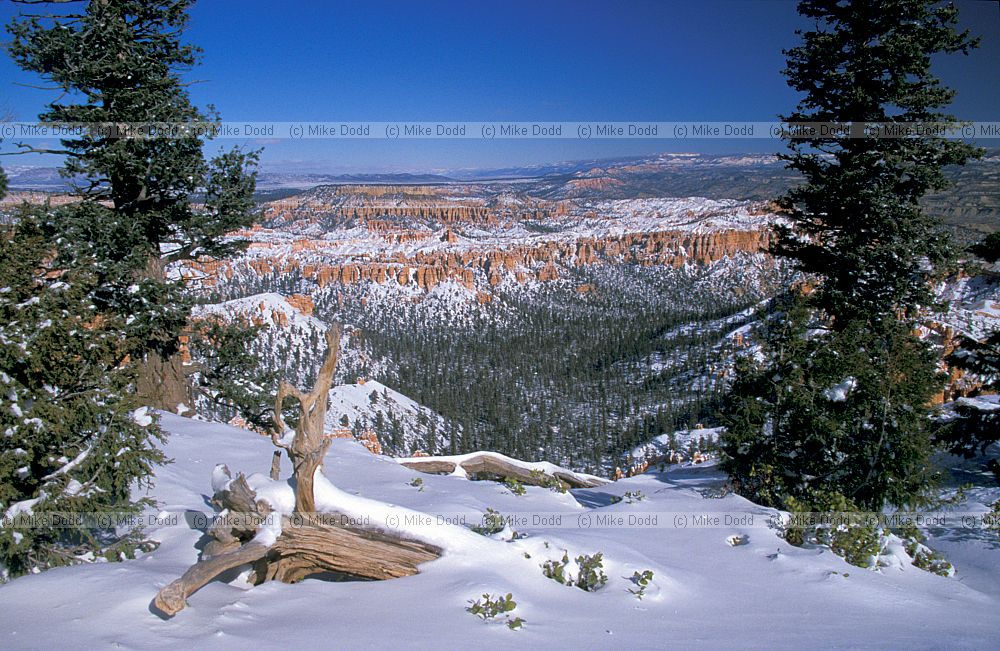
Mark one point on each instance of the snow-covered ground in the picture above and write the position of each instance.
(705, 592)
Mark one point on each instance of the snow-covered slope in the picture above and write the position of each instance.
(265, 309)
(404, 425)
(706, 593)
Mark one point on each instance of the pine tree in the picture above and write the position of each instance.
(229, 374)
(120, 62)
(856, 221)
(75, 439)
(838, 405)
(88, 314)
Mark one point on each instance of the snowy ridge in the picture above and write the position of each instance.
(370, 405)
(541, 466)
(264, 308)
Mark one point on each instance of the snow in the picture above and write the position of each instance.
(142, 417)
(659, 446)
(705, 592)
(261, 307)
(361, 402)
(838, 392)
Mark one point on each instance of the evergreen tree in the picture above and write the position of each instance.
(839, 414)
(120, 62)
(229, 373)
(838, 405)
(856, 221)
(75, 438)
(90, 323)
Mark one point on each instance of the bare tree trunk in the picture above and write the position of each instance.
(162, 382)
(276, 465)
(308, 544)
(309, 445)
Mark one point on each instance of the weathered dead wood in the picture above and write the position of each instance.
(173, 597)
(305, 546)
(276, 465)
(489, 464)
(309, 444)
(309, 548)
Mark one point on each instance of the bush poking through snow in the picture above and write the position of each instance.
(634, 496)
(489, 607)
(642, 581)
(592, 575)
(556, 570)
(514, 486)
(547, 481)
(923, 556)
(858, 544)
(492, 523)
(993, 518)
(630, 497)
(866, 545)
(416, 482)
(589, 576)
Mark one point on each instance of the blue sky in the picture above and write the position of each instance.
(525, 61)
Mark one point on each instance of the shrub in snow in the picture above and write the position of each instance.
(591, 575)
(634, 496)
(548, 481)
(642, 581)
(492, 523)
(514, 486)
(417, 482)
(858, 544)
(587, 573)
(556, 570)
(920, 554)
(864, 544)
(490, 607)
(992, 518)
(629, 497)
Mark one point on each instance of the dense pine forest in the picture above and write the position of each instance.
(544, 370)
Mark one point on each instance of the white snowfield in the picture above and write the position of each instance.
(705, 592)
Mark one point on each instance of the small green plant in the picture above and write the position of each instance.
(642, 581)
(992, 519)
(416, 482)
(592, 575)
(634, 496)
(615, 499)
(547, 481)
(489, 608)
(492, 523)
(514, 486)
(556, 570)
(923, 556)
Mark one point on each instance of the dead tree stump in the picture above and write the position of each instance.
(310, 543)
